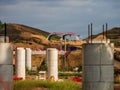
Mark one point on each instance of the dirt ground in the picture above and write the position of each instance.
(117, 87)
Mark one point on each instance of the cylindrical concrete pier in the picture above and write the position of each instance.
(6, 66)
(98, 72)
(52, 59)
(28, 58)
(3, 39)
(20, 63)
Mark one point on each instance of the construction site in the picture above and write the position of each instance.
(92, 63)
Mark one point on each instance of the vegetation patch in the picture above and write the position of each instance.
(31, 84)
(70, 74)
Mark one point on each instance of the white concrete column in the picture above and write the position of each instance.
(28, 58)
(6, 66)
(2, 39)
(20, 62)
(52, 59)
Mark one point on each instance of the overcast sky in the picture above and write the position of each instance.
(62, 15)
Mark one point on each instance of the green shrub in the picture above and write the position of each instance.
(42, 67)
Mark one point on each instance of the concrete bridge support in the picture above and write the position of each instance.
(98, 72)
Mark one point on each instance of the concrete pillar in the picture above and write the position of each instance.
(6, 66)
(52, 59)
(98, 72)
(28, 58)
(20, 62)
(2, 39)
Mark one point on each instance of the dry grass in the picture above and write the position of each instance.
(46, 85)
(27, 37)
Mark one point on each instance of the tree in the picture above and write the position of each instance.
(42, 67)
(1, 25)
(79, 68)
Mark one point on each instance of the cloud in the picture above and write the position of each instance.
(61, 15)
(78, 3)
(63, 3)
(8, 2)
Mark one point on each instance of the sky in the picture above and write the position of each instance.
(62, 15)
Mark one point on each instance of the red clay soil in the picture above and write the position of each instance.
(117, 87)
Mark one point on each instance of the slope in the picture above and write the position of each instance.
(25, 36)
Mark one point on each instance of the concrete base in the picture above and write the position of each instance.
(6, 76)
(98, 73)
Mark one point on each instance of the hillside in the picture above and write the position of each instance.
(21, 35)
(25, 36)
(112, 34)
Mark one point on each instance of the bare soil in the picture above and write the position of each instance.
(117, 87)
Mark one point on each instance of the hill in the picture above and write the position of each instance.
(112, 34)
(25, 36)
